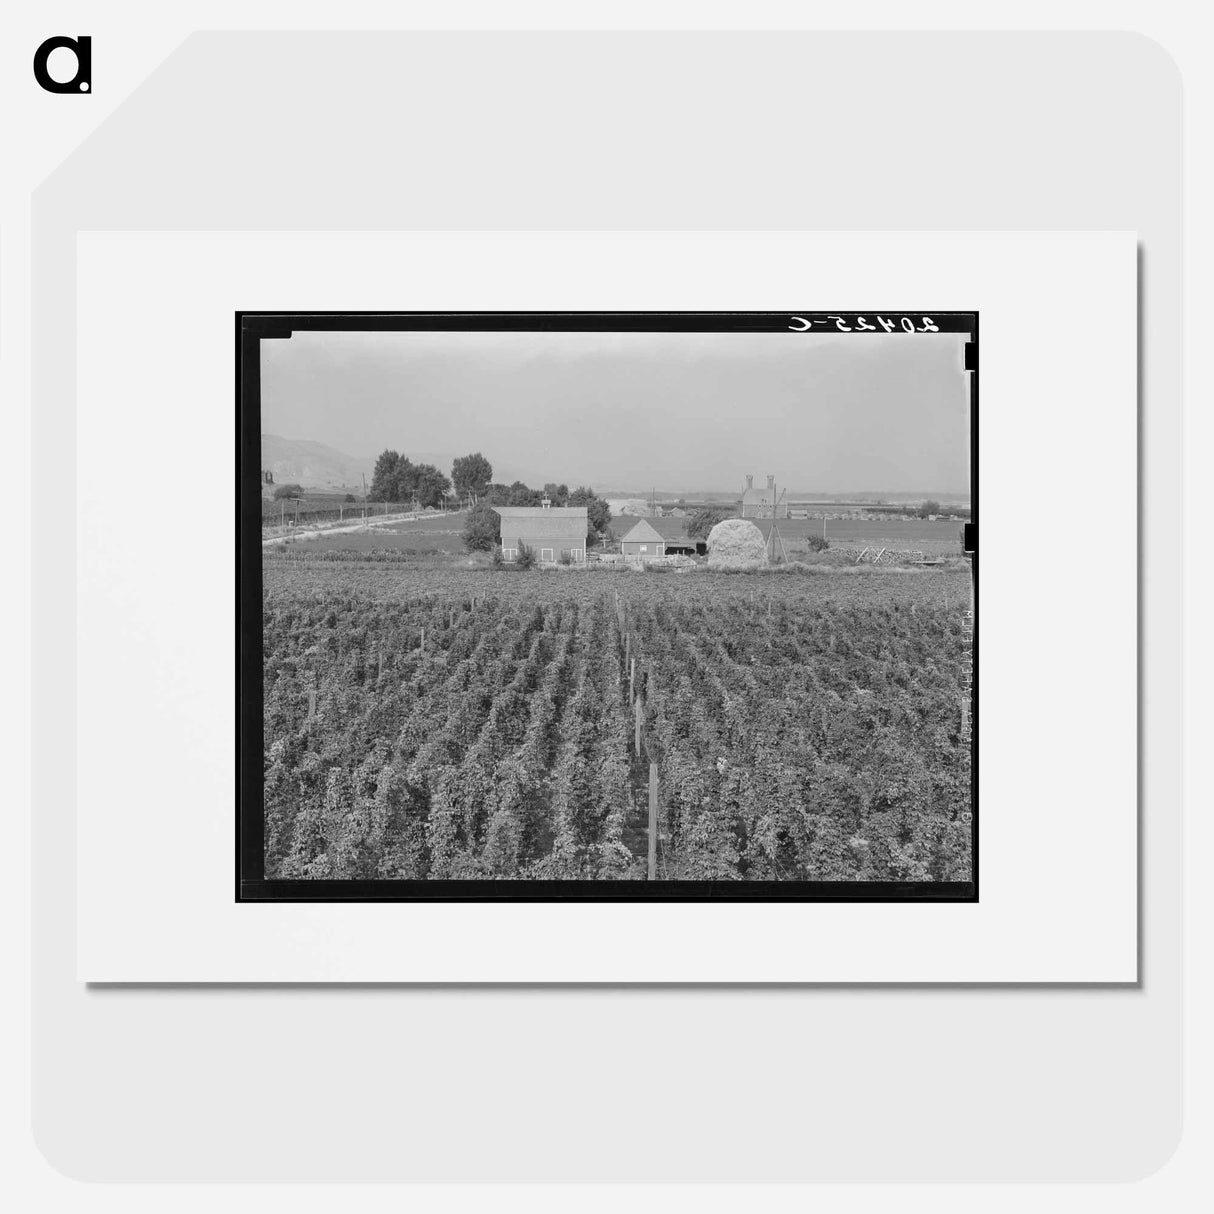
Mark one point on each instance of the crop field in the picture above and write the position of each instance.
(461, 723)
(939, 538)
(430, 534)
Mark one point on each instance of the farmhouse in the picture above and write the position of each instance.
(551, 532)
(761, 503)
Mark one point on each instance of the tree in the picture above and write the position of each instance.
(481, 529)
(929, 508)
(427, 483)
(704, 520)
(397, 479)
(287, 491)
(558, 495)
(598, 513)
(520, 495)
(349, 498)
(383, 479)
(471, 474)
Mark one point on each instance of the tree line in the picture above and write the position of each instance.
(396, 478)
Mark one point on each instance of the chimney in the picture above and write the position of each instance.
(750, 482)
(771, 482)
(546, 503)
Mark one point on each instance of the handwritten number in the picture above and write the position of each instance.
(802, 324)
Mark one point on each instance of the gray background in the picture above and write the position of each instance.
(677, 131)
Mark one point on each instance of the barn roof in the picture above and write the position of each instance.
(669, 529)
(531, 523)
(642, 533)
(528, 512)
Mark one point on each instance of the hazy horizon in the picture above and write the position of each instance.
(829, 414)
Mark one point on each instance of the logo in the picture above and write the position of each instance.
(82, 81)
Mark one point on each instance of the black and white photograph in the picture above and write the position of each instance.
(608, 605)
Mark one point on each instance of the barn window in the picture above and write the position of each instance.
(644, 547)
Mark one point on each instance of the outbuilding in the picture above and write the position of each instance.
(551, 532)
(643, 540)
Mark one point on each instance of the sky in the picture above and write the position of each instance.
(675, 411)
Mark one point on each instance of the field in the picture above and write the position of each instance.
(429, 534)
(442, 532)
(453, 723)
(939, 538)
(324, 508)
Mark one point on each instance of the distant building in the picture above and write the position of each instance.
(643, 540)
(761, 503)
(552, 532)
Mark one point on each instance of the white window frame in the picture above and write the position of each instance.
(512, 553)
(546, 554)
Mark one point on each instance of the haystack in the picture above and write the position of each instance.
(735, 543)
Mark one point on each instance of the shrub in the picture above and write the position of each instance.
(525, 558)
(817, 543)
(481, 528)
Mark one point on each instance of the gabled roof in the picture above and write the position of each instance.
(521, 512)
(757, 497)
(642, 533)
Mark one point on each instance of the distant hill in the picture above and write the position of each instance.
(317, 466)
(312, 465)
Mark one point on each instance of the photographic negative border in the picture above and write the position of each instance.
(252, 328)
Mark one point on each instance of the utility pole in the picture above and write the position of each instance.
(364, 497)
(653, 821)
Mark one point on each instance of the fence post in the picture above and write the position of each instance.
(637, 712)
(312, 697)
(422, 643)
(632, 679)
(653, 821)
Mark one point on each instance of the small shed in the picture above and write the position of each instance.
(643, 540)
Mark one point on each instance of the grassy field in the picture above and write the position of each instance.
(919, 535)
(433, 533)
